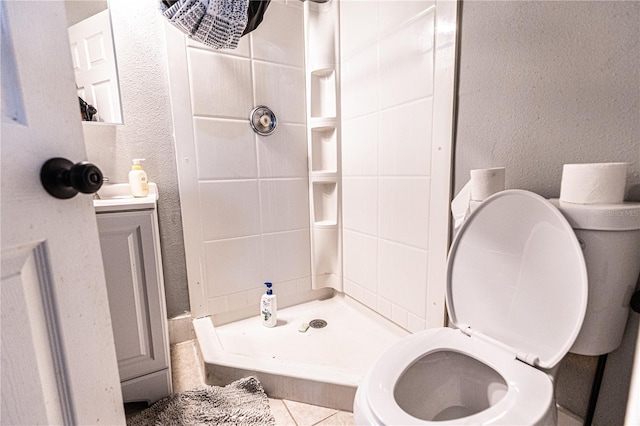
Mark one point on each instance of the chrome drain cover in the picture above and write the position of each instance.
(317, 323)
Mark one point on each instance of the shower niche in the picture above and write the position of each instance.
(323, 93)
(323, 136)
(324, 153)
(325, 204)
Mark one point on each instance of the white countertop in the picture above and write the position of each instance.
(117, 197)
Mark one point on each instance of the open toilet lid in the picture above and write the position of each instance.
(516, 273)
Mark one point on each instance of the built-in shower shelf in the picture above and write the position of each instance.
(325, 223)
(324, 150)
(324, 175)
(323, 93)
(325, 202)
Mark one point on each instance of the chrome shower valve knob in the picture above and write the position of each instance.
(263, 121)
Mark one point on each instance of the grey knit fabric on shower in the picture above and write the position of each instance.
(186, 15)
(216, 23)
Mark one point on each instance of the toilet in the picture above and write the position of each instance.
(516, 298)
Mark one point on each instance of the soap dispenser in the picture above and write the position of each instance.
(269, 307)
(138, 183)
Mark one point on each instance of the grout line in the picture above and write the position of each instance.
(319, 421)
(326, 418)
(288, 411)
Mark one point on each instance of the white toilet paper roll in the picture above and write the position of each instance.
(486, 182)
(595, 183)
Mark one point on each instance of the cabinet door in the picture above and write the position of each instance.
(131, 269)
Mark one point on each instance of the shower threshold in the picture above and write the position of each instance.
(321, 366)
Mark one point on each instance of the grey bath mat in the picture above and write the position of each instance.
(242, 402)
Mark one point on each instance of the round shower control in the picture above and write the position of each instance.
(263, 121)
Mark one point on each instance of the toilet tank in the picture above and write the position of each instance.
(609, 235)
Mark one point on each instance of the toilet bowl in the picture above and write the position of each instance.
(516, 299)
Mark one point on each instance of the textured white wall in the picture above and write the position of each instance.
(548, 83)
(147, 131)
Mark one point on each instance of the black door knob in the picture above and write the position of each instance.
(63, 179)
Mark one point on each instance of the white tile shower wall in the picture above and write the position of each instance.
(282, 42)
(405, 139)
(360, 204)
(360, 82)
(249, 193)
(283, 154)
(223, 93)
(283, 205)
(272, 81)
(387, 60)
(405, 55)
(233, 264)
(232, 208)
(403, 210)
(360, 155)
(226, 149)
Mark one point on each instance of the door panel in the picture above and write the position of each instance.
(29, 317)
(41, 120)
(132, 283)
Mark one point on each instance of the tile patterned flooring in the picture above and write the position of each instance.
(186, 374)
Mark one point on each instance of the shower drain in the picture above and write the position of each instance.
(317, 323)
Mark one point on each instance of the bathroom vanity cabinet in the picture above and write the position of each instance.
(130, 243)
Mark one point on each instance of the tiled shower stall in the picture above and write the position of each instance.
(350, 192)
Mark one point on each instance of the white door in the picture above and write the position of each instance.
(94, 63)
(58, 361)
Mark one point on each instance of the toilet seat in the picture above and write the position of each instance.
(528, 400)
(516, 295)
(516, 274)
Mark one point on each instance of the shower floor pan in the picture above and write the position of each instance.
(321, 366)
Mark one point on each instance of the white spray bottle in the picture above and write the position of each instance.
(269, 307)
